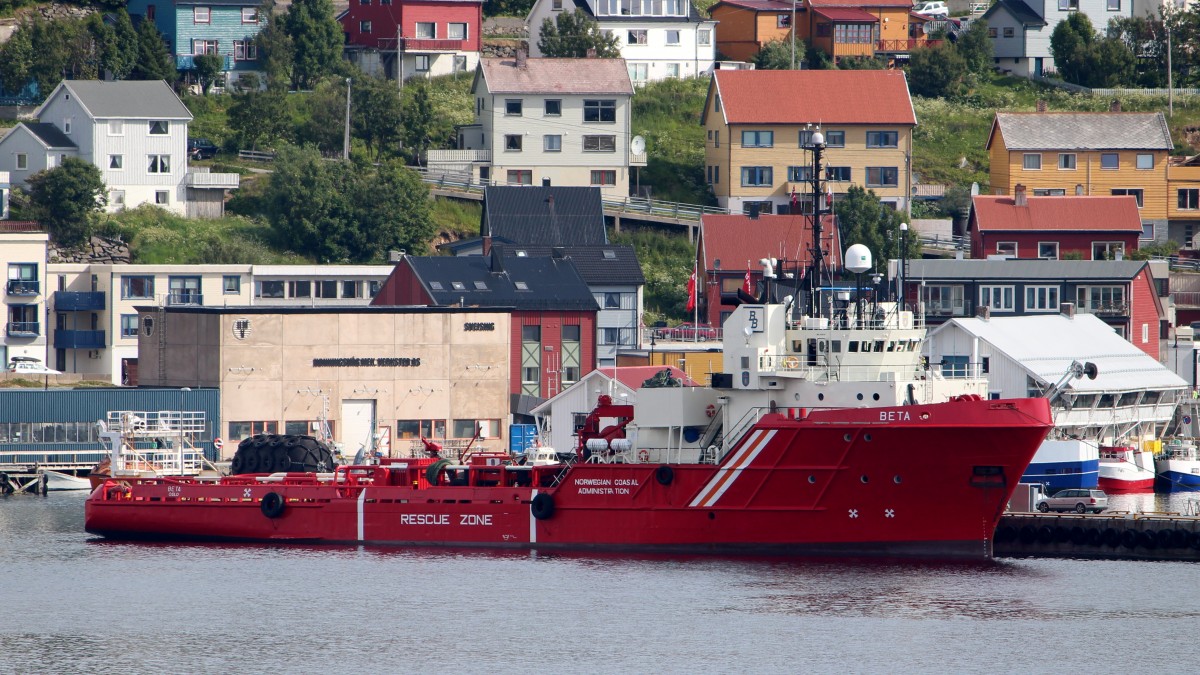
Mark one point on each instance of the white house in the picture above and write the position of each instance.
(547, 122)
(135, 132)
(659, 39)
(1020, 29)
(23, 299)
(575, 402)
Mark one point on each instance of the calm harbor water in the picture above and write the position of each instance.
(73, 604)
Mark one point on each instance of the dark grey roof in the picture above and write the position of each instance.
(611, 264)
(1084, 131)
(550, 283)
(553, 216)
(1020, 11)
(49, 134)
(693, 16)
(136, 99)
(1018, 270)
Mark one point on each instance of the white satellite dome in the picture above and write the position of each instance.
(818, 138)
(858, 259)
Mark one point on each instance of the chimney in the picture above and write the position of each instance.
(753, 213)
(1019, 196)
(497, 259)
(1067, 309)
(558, 253)
(983, 312)
(522, 57)
(1041, 105)
(487, 245)
(395, 256)
(591, 52)
(1079, 189)
(1115, 105)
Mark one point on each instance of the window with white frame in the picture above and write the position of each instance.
(115, 162)
(1049, 192)
(1008, 248)
(456, 31)
(1100, 298)
(116, 198)
(636, 37)
(159, 164)
(552, 107)
(672, 70)
(638, 72)
(704, 37)
(460, 63)
(249, 15)
(1113, 5)
(1031, 161)
(999, 298)
(364, 26)
(1066, 161)
(599, 143)
(116, 127)
(22, 161)
(1107, 250)
(552, 143)
(422, 63)
(944, 300)
(245, 50)
(672, 38)
(201, 15)
(512, 142)
(1048, 250)
(1188, 199)
(162, 197)
(204, 47)
(67, 125)
(426, 30)
(1041, 298)
(1147, 231)
(160, 128)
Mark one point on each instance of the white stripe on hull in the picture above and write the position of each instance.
(728, 474)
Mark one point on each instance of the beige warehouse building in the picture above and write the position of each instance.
(370, 377)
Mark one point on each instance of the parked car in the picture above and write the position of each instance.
(1079, 501)
(932, 8)
(689, 332)
(201, 148)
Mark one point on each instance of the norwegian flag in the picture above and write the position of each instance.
(748, 284)
(691, 290)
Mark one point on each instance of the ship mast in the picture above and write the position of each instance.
(816, 268)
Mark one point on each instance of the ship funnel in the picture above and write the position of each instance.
(858, 259)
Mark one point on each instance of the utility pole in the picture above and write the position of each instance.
(1170, 87)
(793, 34)
(346, 139)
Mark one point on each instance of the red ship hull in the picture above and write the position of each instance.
(1113, 486)
(924, 480)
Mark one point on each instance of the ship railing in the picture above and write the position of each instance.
(150, 423)
(452, 448)
(166, 461)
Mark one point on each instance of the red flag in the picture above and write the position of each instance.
(691, 290)
(748, 284)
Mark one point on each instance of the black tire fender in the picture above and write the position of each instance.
(1112, 538)
(273, 505)
(664, 474)
(1129, 538)
(542, 506)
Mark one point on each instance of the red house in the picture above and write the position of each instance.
(731, 246)
(1054, 228)
(553, 340)
(431, 37)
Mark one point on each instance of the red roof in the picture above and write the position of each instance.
(736, 240)
(1073, 212)
(862, 4)
(814, 96)
(847, 14)
(760, 5)
(634, 376)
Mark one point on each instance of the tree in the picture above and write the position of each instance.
(154, 60)
(419, 121)
(1069, 45)
(325, 123)
(1110, 64)
(275, 48)
(777, 55)
(120, 56)
(939, 72)
(260, 118)
(65, 198)
(376, 118)
(208, 69)
(572, 34)
(976, 47)
(316, 41)
(863, 219)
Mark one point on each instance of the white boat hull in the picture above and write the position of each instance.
(57, 480)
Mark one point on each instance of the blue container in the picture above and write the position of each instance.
(521, 437)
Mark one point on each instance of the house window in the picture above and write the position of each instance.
(758, 139)
(637, 37)
(460, 63)
(840, 174)
(160, 128)
(1049, 192)
(456, 31)
(243, 430)
(799, 174)
(883, 176)
(1109, 160)
(1113, 5)
(1066, 160)
(599, 143)
(116, 127)
(249, 15)
(1008, 248)
(1009, 31)
(992, 32)
(599, 110)
(553, 107)
(1188, 199)
(275, 289)
(231, 284)
(1136, 192)
(1101, 298)
(1145, 161)
(783, 20)
(1041, 298)
(756, 176)
(184, 291)
(420, 428)
(763, 207)
(116, 198)
(999, 298)
(1107, 250)
(552, 143)
(512, 142)
(639, 72)
(201, 15)
(604, 177)
(955, 366)
(245, 50)
(353, 289)
(1147, 231)
(129, 326)
(1048, 250)
(944, 300)
(556, 5)
(1068, 5)
(115, 162)
(520, 177)
(512, 106)
(426, 30)
(204, 47)
(66, 126)
(704, 37)
(610, 300)
(1032, 161)
(835, 139)
(673, 70)
(161, 197)
(159, 164)
(882, 139)
(673, 38)
(137, 287)
(22, 161)
(422, 63)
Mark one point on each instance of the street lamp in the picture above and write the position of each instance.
(346, 139)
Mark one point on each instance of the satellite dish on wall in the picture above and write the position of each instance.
(637, 145)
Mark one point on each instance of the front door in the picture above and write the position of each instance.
(1037, 66)
(358, 426)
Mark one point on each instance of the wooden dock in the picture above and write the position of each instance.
(1114, 535)
(23, 480)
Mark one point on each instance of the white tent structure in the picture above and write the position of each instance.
(1132, 398)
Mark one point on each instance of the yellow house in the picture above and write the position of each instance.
(758, 124)
(1084, 153)
(1183, 200)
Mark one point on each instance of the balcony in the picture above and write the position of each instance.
(23, 329)
(177, 298)
(1112, 309)
(202, 179)
(25, 287)
(423, 45)
(900, 46)
(76, 301)
(79, 339)
(637, 159)
(188, 62)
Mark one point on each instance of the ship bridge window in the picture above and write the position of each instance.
(852, 346)
(866, 345)
(835, 345)
(1150, 398)
(1106, 400)
(879, 345)
(797, 345)
(1129, 398)
(891, 346)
